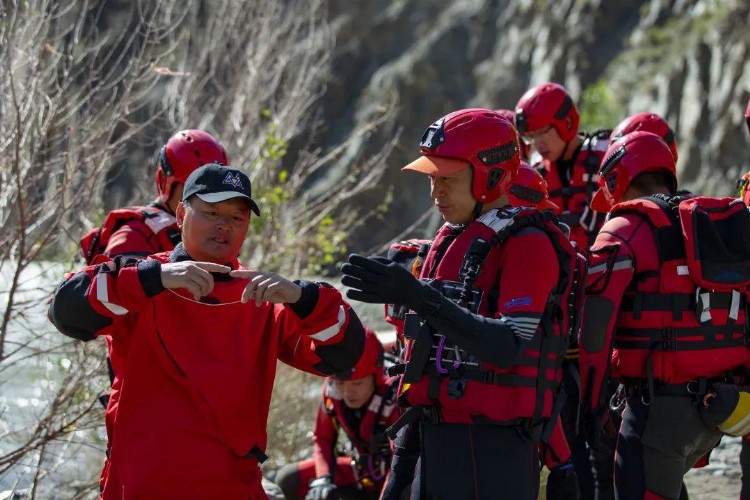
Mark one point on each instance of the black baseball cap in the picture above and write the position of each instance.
(213, 183)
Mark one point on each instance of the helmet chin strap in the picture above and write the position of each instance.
(565, 150)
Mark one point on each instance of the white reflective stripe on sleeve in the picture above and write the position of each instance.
(522, 327)
(623, 264)
(102, 295)
(619, 265)
(682, 271)
(597, 268)
(331, 330)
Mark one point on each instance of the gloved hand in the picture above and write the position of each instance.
(599, 430)
(322, 488)
(381, 281)
(562, 483)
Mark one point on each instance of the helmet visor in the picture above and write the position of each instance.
(436, 165)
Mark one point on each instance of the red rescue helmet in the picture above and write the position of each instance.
(371, 361)
(184, 152)
(530, 189)
(510, 115)
(479, 138)
(747, 116)
(647, 122)
(626, 158)
(544, 105)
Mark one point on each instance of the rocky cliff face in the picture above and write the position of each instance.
(686, 60)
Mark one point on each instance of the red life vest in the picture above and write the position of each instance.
(473, 391)
(166, 234)
(574, 197)
(687, 318)
(370, 441)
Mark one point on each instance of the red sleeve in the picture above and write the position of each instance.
(320, 334)
(530, 271)
(133, 239)
(97, 297)
(610, 271)
(324, 438)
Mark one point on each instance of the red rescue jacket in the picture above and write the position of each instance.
(572, 192)
(644, 305)
(517, 280)
(137, 231)
(197, 378)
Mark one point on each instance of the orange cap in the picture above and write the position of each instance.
(436, 165)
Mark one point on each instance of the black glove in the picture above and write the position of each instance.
(322, 488)
(599, 430)
(381, 281)
(562, 483)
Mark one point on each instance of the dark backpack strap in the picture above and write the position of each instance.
(669, 240)
(539, 220)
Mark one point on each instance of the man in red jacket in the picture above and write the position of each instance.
(145, 230)
(547, 120)
(485, 341)
(362, 403)
(661, 319)
(202, 335)
(140, 231)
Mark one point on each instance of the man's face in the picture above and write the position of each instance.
(545, 141)
(213, 232)
(453, 197)
(356, 393)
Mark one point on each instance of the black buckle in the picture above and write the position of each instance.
(456, 388)
(697, 387)
(669, 339)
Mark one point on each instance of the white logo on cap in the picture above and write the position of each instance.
(233, 180)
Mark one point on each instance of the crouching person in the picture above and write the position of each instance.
(202, 335)
(360, 402)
